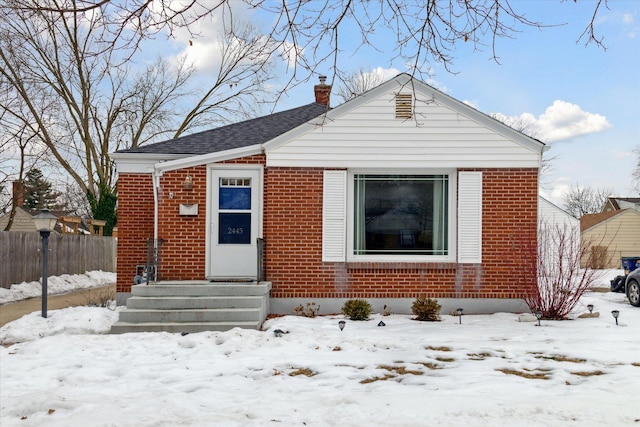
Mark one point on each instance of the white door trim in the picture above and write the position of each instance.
(209, 206)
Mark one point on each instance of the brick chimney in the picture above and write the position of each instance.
(322, 91)
(18, 193)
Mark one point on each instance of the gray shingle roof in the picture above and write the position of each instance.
(236, 135)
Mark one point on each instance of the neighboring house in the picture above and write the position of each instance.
(554, 216)
(558, 237)
(620, 203)
(401, 192)
(613, 234)
(23, 219)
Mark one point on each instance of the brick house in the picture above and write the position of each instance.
(402, 191)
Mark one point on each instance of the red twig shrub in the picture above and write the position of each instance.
(554, 265)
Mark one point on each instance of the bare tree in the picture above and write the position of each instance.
(552, 273)
(83, 99)
(357, 83)
(581, 200)
(313, 32)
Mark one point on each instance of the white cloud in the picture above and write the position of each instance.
(561, 121)
(564, 120)
(385, 73)
(627, 18)
(622, 154)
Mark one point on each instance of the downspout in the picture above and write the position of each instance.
(156, 186)
(155, 176)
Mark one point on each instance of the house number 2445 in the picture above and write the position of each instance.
(235, 230)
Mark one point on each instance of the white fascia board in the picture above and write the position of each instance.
(202, 159)
(382, 163)
(138, 162)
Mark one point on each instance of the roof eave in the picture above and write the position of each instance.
(202, 159)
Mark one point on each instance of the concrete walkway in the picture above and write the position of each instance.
(15, 310)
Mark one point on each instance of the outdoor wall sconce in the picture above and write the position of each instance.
(590, 308)
(187, 184)
(615, 314)
(538, 314)
(460, 314)
(341, 324)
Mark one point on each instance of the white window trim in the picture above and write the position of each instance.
(451, 232)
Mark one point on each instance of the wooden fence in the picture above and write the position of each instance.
(21, 255)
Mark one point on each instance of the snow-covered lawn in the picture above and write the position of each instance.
(491, 370)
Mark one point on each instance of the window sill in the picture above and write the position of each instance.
(418, 266)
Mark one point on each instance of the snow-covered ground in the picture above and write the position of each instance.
(491, 370)
(57, 285)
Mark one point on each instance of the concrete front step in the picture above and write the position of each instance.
(201, 288)
(193, 302)
(198, 315)
(194, 306)
(180, 327)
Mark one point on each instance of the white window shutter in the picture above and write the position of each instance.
(470, 217)
(334, 202)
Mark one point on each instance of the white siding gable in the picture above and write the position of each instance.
(470, 217)
(364, 133)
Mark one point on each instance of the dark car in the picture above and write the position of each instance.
(632, 287)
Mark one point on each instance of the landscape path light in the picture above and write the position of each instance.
(590, 308)
(45, 223)
(615, 314)
(341, 324)
(460, 314)
(538, 314)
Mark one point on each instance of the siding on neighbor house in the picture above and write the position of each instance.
(621, 234)
(22, 221)
(370, 137)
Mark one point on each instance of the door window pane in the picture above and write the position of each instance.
(235, 193)
(234, 228)
(401, 214)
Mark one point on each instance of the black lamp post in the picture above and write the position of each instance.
(45, 222)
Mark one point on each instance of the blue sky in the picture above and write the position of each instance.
(584, 99)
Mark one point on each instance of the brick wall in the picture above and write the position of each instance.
(135, 225)
(293, 235)
(183, 247)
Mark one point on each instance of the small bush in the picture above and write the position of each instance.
(357, 309)
(101, 298)
(311, 310)
(426, 309)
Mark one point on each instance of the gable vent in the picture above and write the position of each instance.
(404, 106)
